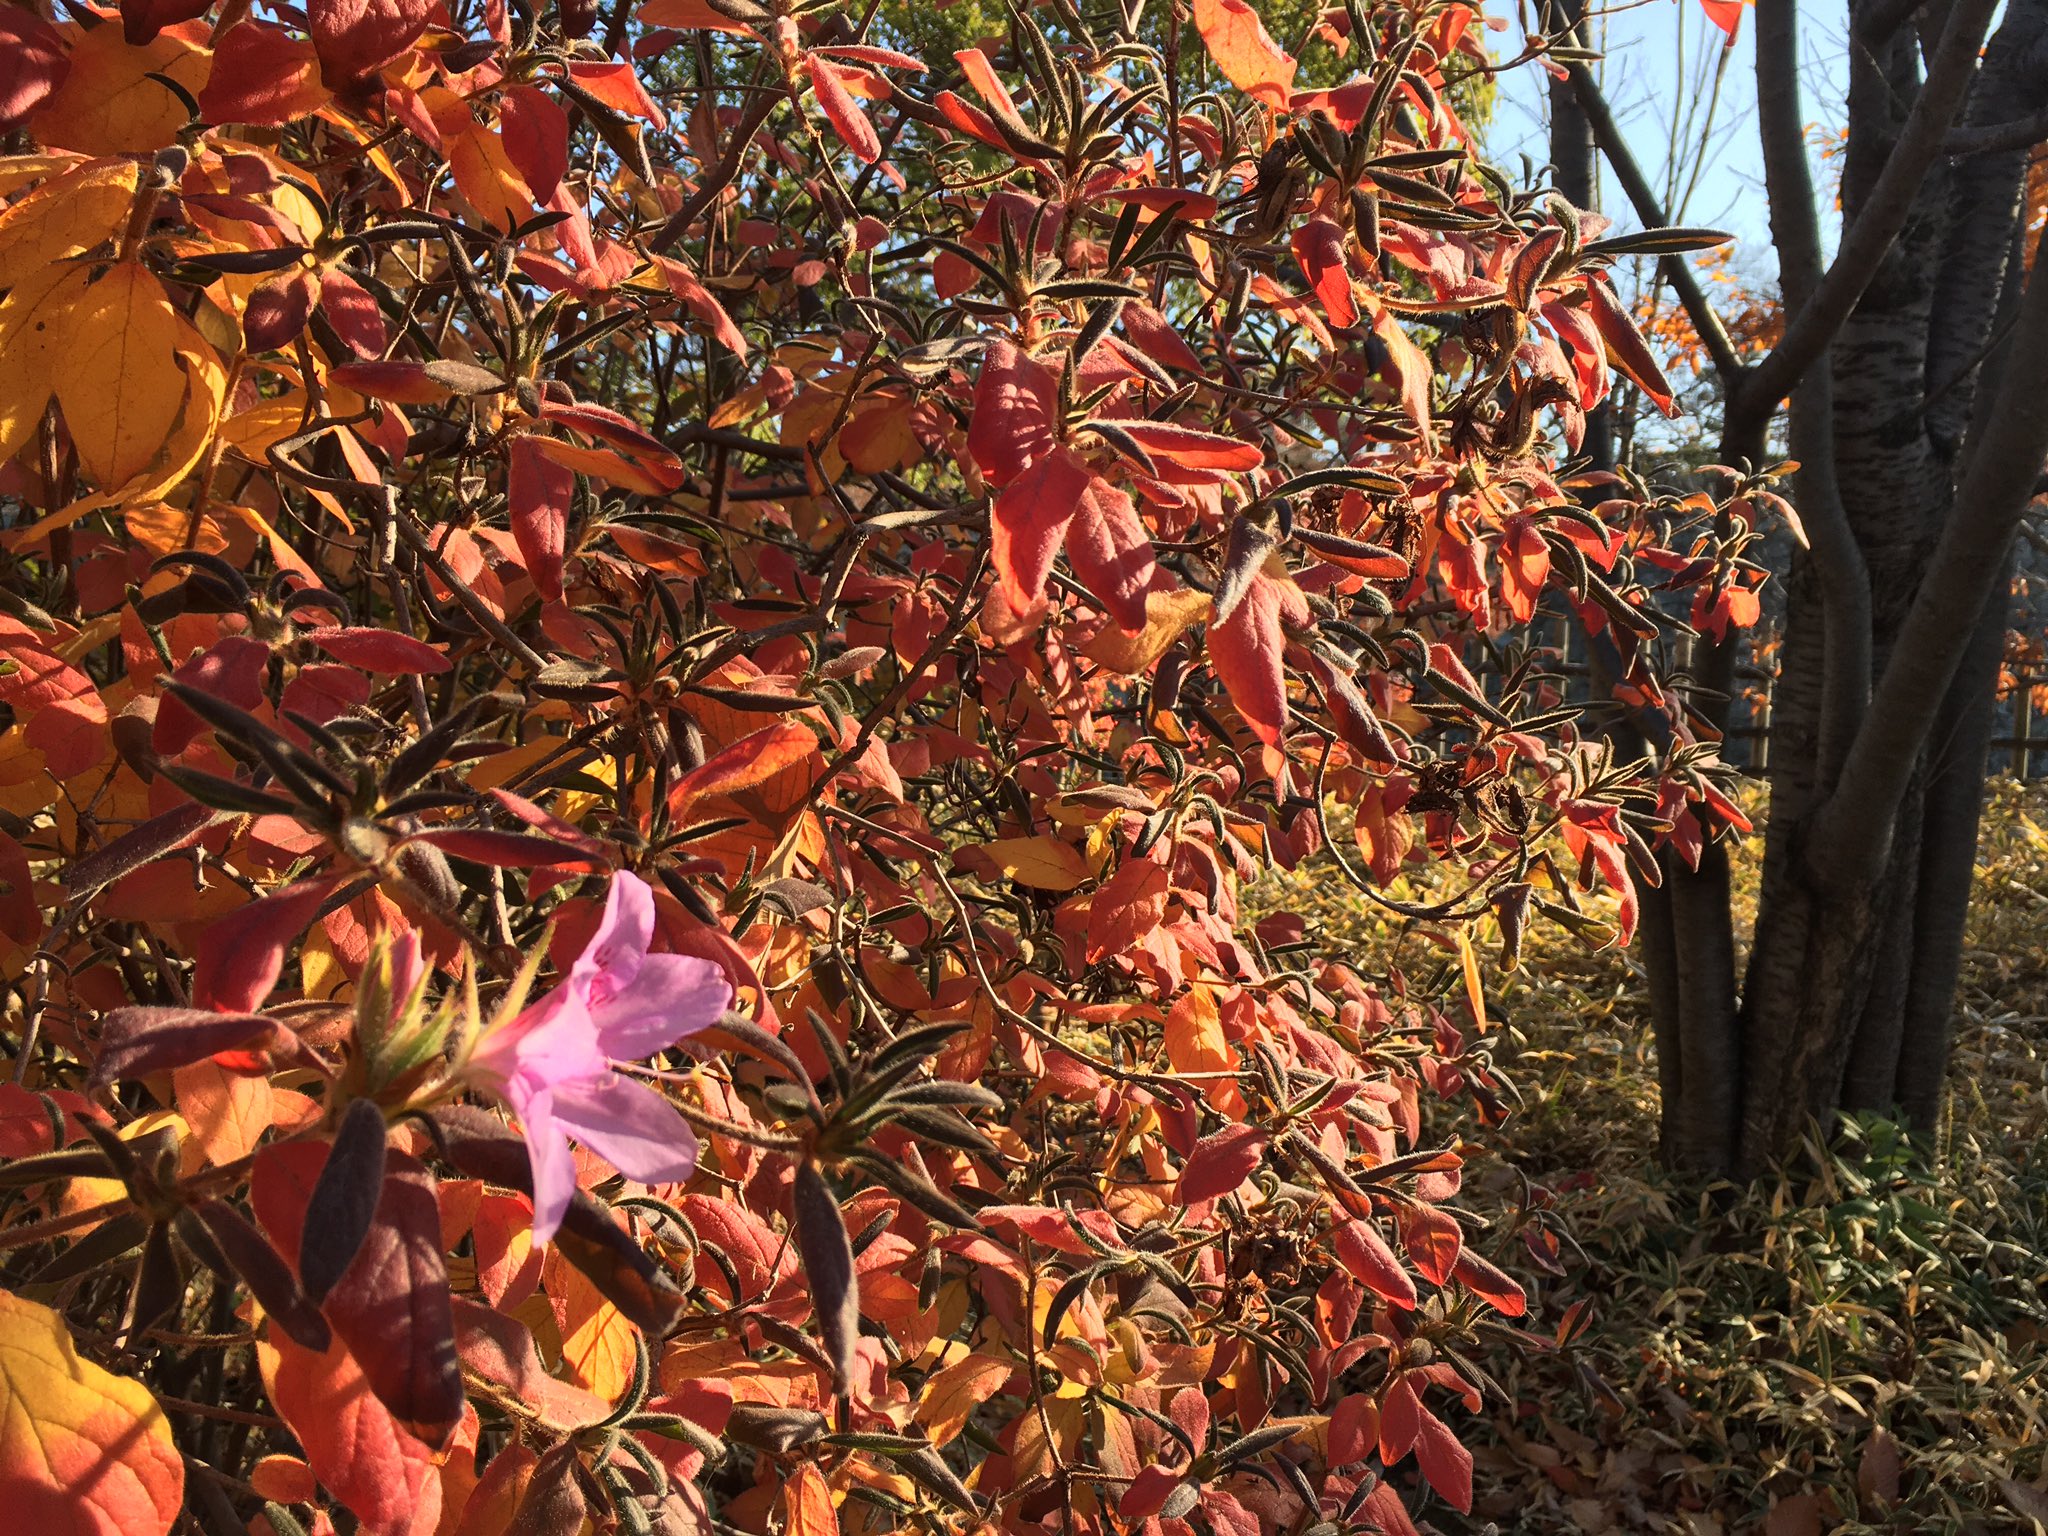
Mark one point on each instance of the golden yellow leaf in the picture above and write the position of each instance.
(65, 215)
(951, 1395)
(109, 105)
(28, 340)
(82, 1450)
(1168, 615)
(597, 1341)
(1042, 862)
(115, 374)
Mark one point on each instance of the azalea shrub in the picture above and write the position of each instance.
(651, 657)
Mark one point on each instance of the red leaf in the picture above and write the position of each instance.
(1368, 1258)
(1015, 402)
(263, 76)
(1131, 903)
(391, 1304)
(1319, 247)
(385, 1475)
(1030, 523)
(1220, 1163)
(67, 719)
(1486, 1280)
(135, 1042)
(1354, 1429)
(701, 302)
(618, 87)
(399, 383)
(353, 312)
(1147, 1493)
(1444, 1461)
(1433, 1240)
(240, 954)
(1112, 553)
(970, 119)
(867, 53)
(1245, 650)
(233, 670)
(1625, 346)
(33, 63)
(1725, 14)
(607, 426)
(506, 850)
(141, 20)
(540, 491)
(1192, 449)
(1249, 58)
(380, 650)
(353, 37)
(536, 134)
(844, 113)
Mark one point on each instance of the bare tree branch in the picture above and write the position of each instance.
(1817, 313)
(1998, 138)
(1643, 198)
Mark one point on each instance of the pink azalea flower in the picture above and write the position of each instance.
(554, 1062)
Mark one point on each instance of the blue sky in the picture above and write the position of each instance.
(1660, 58)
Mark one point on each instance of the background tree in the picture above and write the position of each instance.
(1913, 364)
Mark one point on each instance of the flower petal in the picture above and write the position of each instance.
(630, 1126)
(671, 996)
(554, 1165)
(611, 959)
(554, 1041)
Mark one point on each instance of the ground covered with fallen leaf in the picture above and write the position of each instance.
(1860, 1346)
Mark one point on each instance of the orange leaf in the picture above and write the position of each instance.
(82, 1452)
(109, 105)
(385, 1474)
(750, 761)
(807, 1504)
(952, 1395)
(1249, 58)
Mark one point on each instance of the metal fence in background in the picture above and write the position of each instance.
(2019, 751)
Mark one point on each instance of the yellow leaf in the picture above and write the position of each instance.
(29, 336)
(109, 105)
(64, 216)
(82, 1452)
(951, 1395)
(115, 376)
(1042, 862)
(1475, 994)
(1168, 615)
(597, 1341)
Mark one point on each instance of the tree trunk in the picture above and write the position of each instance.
(1871, 837)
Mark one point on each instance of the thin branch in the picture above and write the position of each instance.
(1817, 316)
(1643, 198)
(720, 176)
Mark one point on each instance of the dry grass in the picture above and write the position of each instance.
(1858, 1347)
